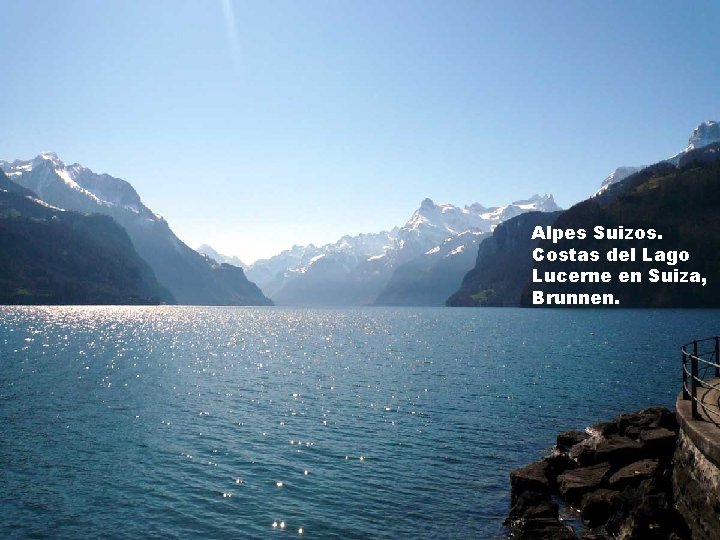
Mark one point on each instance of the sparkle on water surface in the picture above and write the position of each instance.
(132, 422)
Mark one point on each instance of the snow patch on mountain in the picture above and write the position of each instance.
(42, 203)
(456, 251)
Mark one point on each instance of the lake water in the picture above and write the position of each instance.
(178, 422)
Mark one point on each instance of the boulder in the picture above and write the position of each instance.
(596, 506)
(544, 529)
(531, 505)
(604, 428)
(533, 477)
(575, 483)
(559, 462)
(635, 473)
(596, 534)
(645, 511)
(584, 452)
(633, 432)
(652, 417)
(534, 516)
(618, 450)
(568, 439)
(658, 442)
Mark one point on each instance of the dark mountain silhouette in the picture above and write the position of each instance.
(681, 202)
(53, 256)
(192, 278)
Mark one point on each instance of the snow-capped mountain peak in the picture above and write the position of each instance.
(543, 203)
(190, 277)
(49, 177)
(539, 203)
(433, 223)
(52, 157)
(427, 204)
(704, 134)
(619, 174)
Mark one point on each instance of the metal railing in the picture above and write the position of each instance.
(700, 362)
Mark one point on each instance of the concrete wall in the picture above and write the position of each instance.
(696, 475)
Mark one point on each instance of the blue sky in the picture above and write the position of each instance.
(253, 126)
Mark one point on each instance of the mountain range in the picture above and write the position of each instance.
(75, 236)
(190, 277)
(678, 196)
(54, 256)
(420, 263)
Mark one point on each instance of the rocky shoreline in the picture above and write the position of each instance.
(618, 475)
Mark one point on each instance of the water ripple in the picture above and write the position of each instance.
(179, 422)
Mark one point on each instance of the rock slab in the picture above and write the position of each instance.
(575, 483)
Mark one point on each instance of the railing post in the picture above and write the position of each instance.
(717, 356)
(686, 394)
(693, 381)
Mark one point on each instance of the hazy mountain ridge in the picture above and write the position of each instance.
(190, 277)
(54, 256)
(355, 270)
(218, 257)
(338, 258)
(427, 280)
